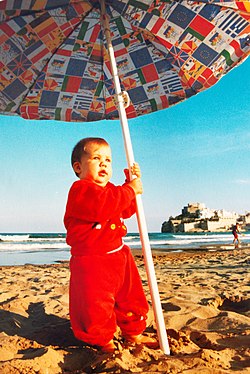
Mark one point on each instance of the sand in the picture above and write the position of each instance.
(205, 299)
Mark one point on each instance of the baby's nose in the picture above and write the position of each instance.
(103, 163)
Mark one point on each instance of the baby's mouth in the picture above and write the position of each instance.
(103, 173)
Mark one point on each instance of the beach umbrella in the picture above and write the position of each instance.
(76, 60)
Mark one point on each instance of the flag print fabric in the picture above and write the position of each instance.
(54, 61)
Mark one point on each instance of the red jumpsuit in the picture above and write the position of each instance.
(105, 288)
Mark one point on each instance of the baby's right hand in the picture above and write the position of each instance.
(136, 184)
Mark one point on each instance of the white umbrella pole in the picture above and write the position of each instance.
(161, 329)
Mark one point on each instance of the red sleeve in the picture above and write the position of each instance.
(127, 213)
(90, 202)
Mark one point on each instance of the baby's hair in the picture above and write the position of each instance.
(80, 148)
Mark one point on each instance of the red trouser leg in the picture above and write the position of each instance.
(92, 299)
(131, 306)
(106, 291)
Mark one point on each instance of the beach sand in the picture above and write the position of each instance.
(205, 299)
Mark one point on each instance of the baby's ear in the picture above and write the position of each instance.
(77, 167)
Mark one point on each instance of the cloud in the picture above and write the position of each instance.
(243, 181)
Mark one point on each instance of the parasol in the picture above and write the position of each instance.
(58, 62)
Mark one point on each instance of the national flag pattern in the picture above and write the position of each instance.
(54, 60)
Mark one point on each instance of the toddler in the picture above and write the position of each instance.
(105, 286)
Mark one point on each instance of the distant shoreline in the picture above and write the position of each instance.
(20, 249)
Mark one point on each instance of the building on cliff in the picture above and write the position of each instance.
(197, 217)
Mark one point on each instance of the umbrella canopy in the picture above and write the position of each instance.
(55, 65)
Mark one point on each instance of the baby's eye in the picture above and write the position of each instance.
(108, 159)
(96, 158)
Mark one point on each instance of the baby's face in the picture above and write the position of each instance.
(96, 164)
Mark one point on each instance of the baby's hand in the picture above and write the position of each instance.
(135, 170)
(135, 183)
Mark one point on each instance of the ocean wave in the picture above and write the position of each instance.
(201, 236)
(47, 235)
(45, 242)
(131, 237)
(7, 246)
(14, 238)
(132, 243)
(59, 240)
(158, 242)
(30, 238)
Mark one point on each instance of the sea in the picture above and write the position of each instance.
(50, 248)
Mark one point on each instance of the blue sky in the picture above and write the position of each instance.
(196, 151)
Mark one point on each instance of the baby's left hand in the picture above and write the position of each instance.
(135, 170)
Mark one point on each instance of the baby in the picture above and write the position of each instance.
(105, 287)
